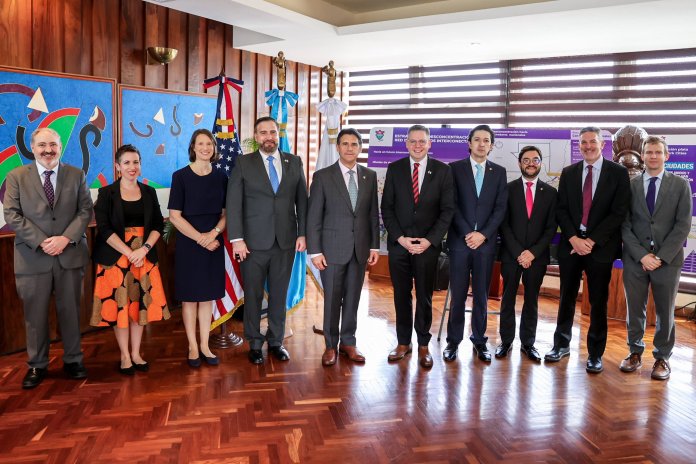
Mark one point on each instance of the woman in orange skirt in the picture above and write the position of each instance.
(128, 290)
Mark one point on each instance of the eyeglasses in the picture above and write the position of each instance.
(418, 142)
(534, 161)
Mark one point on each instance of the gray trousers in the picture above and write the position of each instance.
(35, 291)
(665, 283)
(276, 266)
(342, 285)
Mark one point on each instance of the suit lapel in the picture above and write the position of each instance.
(469, 176)
(35, 180)
(60, 183)
(518, 192)
(147, 206)
(407, 175)
(429, 170)
(284, 165)
(602, 184)
(664, 192)
(258, 161)
(340, 184)
(539, 199)
(487, 183)
(640, 194)
(117, 201)
(362, 185)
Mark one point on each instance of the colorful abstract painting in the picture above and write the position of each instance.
(160, 123)
(81, 109)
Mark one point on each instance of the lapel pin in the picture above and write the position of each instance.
(363, 177)
(286, 161)
(430, 172)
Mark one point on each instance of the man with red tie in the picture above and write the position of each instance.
(417, 207)
(593, 199)
(527, 229)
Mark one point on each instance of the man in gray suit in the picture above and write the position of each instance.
(342, 237)
(48, 206)
(653, 235)
(266, 215)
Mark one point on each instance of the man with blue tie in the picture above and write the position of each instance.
(266, 219)
(654, 232)
(480, 196)
(593, 199)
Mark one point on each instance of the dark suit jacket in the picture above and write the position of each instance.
(256, 214)
(609, 207)
(431, 217)
(28, 213)
(333, 229)
(486, 210)
(534, 233)
(668, 226)
(108, 212)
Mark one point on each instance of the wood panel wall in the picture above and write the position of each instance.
(108, 38)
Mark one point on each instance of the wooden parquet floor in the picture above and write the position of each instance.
(510, 411)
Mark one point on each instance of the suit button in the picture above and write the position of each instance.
(54, 219)
(652, 222)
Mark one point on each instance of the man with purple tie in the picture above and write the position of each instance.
(593, 199)
(653, 234)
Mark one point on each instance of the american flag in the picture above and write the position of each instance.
(228, 146)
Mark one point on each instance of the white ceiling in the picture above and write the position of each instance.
(529, 30)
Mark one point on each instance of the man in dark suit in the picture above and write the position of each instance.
(342, 238)
(593, 199)
(526, 231)
(480, 196)
(417, 208)
(654, 232)
(266, 217)
(48, 206)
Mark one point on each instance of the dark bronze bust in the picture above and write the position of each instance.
(627, 145)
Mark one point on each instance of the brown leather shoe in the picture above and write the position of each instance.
(424, 357)
(329, 357)
(631, 363)
(352, 353)
(661, 370)
(398, 353)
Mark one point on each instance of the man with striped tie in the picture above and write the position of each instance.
(417, 207)
(342, 238)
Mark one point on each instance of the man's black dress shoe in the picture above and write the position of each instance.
(556, 354)
(34, 377)
(482, 352)
(594, 365)
(255, 357)
(450, 353)
(75, 370)
(144, 367)
(502, 350)
(531, 352)
(211, 361)
(279, 352)
(126, 370)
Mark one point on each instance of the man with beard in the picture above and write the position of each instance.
(593, 199)
(653, 234)
(480, 197)
(48, 206)
(526, 231)
(266, 219)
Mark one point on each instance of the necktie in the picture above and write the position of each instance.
(478, 179)
(48, 188)
(416, 192)
(530, 199)
(587, 196)
(650, 197)
(273, 174)
(352, 189)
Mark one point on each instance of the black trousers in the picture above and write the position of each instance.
(405, 269)
(598, 277)
(532, 278)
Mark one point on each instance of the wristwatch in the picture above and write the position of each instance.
(148, 246)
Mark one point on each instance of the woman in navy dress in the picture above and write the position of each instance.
(197, 210)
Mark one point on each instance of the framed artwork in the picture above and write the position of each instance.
(80, 108)
(160, 123)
